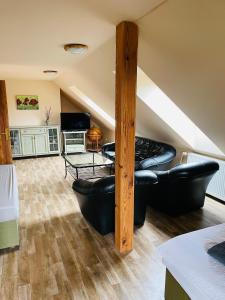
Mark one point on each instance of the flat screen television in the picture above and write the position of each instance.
(75, 121)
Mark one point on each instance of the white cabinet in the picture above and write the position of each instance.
(40, 143)
(74, 141)
(28, 147)
(53, 140)
(34, 141)
(15, 142)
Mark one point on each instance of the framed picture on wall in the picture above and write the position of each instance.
(27, 102)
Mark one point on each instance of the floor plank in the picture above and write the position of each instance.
(62, 257)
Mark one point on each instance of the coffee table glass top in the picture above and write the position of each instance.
(87, 159)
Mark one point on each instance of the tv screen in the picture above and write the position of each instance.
(75, 121)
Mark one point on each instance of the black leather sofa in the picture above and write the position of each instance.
(182, 189)
(97, 200)
(149, 154)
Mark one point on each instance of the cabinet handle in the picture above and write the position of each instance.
(6, 134)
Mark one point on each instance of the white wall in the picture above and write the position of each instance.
(181, 49)
(69, 104)
(48, 93)
(95, 77)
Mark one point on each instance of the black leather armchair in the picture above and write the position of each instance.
(182, 188)
(149, 154)
(97, 200)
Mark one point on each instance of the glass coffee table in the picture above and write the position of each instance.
(87, 165)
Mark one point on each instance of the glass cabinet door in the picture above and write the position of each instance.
(53, 140)
(74, 138)
(15, 142)
(73, 135)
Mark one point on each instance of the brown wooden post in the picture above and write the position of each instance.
(126, 78)
(5, 147)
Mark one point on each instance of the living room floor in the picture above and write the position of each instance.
(62, 257)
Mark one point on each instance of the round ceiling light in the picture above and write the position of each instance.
(76, 48)
(50, 71)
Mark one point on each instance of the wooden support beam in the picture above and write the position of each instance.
(5, 147)
(126, 78)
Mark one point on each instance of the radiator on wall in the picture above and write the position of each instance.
(216, 187)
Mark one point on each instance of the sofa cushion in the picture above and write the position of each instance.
(145, 148)
(149, 154)
(110, 155)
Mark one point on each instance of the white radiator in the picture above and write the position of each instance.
(216, 187)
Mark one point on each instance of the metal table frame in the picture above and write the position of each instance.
(92, 165)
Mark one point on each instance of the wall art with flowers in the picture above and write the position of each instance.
(25, 102)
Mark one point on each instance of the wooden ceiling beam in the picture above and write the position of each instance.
(126, 79)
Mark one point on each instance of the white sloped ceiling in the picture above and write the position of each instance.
(181, 48)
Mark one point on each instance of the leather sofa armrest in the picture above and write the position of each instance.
(107, 184)
(194, 169)
(162, 175)
(108, 147)
(145, 177)
(147, 163)
(83, 186)
(102, 185)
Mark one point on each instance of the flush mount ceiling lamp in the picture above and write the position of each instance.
(75, 48)
(53, 72)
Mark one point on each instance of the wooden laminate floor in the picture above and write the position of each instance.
(62, 257)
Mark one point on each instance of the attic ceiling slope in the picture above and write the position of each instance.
(33, 32)
(182, 50)
(94, 77)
